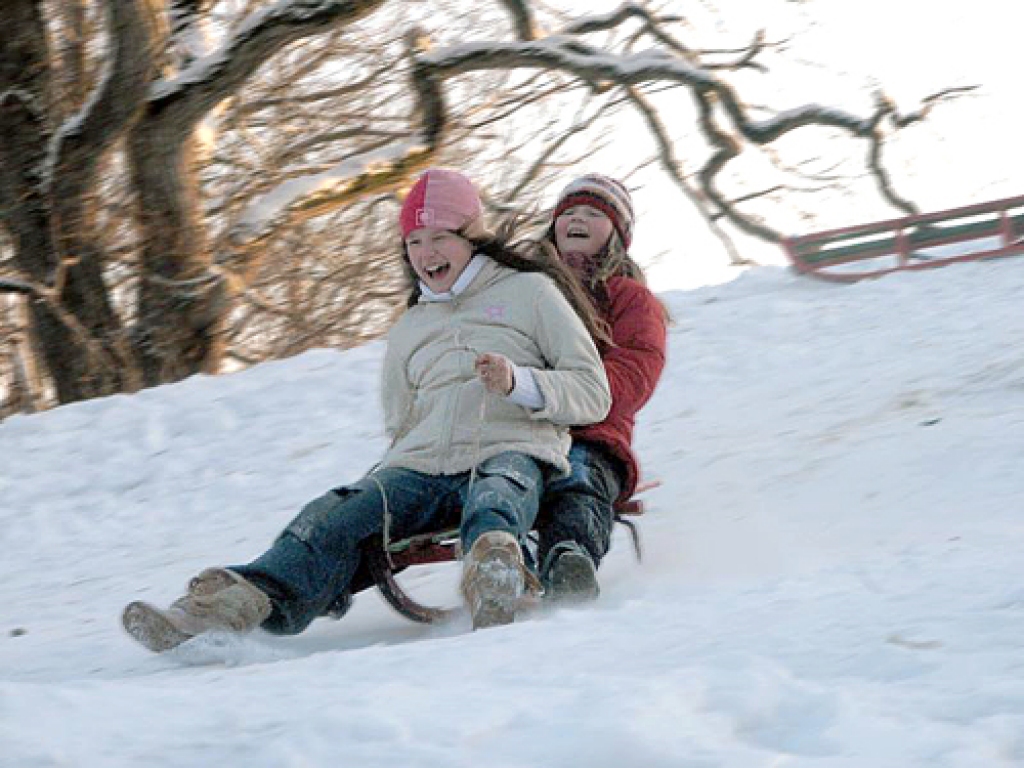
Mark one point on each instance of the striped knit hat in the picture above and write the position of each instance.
(606, 195)
(444, 199)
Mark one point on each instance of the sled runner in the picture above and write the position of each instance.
(387, 559)
(924, 241)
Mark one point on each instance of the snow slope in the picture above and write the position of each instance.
(833, 573)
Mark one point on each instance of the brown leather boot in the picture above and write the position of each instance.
(494, 579)
(217, 600)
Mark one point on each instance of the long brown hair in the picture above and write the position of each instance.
(613, 260)
(529, 256)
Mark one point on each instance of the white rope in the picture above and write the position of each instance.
(387, 521)
(481, 419)
(477, 449)
(481, 415)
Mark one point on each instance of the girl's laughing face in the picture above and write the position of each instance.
(582, 230)
(438, 256)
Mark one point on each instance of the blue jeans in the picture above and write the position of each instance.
(313, 561)
(581, 507)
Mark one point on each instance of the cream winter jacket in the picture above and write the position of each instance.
(437, 413)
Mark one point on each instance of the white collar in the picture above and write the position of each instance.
(462, 283)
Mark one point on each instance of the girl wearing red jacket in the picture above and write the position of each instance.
(591, 230)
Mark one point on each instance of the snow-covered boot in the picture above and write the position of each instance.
(494, 578)
(217, 600)
(569, 575)
(211, 580)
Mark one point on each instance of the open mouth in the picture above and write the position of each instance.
(438, 271)
(577, 233)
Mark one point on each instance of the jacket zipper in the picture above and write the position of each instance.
(446, 443)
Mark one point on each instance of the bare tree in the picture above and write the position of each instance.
(189, 181)
(152, 95)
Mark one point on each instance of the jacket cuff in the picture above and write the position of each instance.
(525, 392)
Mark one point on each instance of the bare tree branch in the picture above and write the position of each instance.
(531, 174)
(522, 18)
(671, 165)
(82, 140)
(929, 103)
(269, 172)
(18, 286)
(726, 148)
(380, 169)
(593, 67)
(312, 98)
(625, 12)
(747, 56)
(186, 98)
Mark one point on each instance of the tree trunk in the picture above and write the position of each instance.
(25, 133)
(47, 183)
(181, 304)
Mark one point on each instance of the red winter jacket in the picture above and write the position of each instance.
(634, 365)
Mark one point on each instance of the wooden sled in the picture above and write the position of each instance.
(386, 562)
(925, 241)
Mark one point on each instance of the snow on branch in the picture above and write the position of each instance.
(382, 168)
(724, 119)
(301, 198)
(78, 145)
(188, 34)
(565, 54)
(715, 96)
(211, 79)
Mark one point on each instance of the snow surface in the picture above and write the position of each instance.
(833, 574)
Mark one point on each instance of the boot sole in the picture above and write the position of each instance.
(573, 579)
(147, 625)
(498, 590)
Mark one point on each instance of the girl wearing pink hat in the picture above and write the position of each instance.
(591, 230)
(492, 362)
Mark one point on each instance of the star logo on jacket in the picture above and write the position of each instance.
(495, 312)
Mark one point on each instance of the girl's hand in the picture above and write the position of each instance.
(495, 371)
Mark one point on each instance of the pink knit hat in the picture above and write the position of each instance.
(444, 199)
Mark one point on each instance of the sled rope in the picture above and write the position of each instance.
(477, 444)
(478, 441)
(481, 419)
(386, 533)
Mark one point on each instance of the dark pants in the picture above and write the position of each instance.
(581, 507)
(311, 565)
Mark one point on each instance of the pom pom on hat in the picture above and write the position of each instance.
(444, 199)
(606, 195)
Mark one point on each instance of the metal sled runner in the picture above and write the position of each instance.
(925, 241)
(387, 561)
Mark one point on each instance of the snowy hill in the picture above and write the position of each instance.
(834, 571)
